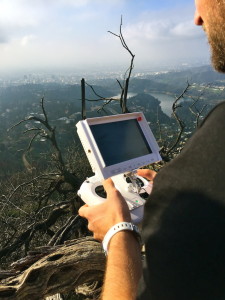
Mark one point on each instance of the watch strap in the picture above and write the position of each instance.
(116, 228)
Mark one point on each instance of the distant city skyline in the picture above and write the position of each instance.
(73, 34)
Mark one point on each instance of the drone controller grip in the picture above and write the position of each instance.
(92, 193)
(88, 191)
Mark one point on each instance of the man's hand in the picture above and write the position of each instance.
(114, 210)
(103, 216)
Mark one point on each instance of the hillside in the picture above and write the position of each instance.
(63, 105)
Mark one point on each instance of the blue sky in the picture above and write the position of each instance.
(70, 34)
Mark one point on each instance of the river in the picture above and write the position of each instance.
(166, 101)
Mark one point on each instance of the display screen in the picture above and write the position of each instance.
(120, 141)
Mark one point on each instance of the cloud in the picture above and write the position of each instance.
(18, 19)
(16, 13)
(166, 37)
(27, 39)
(185, 30)
(64, 32)
(3, 38)
(159, 30)
(24, 17)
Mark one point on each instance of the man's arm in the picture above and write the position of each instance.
(124, 268)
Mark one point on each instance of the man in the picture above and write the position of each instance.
(184, 223)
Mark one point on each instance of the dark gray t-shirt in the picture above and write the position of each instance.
(184, 223)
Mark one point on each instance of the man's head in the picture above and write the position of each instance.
(211, 15)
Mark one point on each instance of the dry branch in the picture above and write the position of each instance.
(27, 235)
(181, 124)
(123, 85)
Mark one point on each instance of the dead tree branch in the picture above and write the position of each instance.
(124, 86)
(197, 112)
(56, 270)
(194, 108)
(180, 123)
(28, 234)
(47, 132)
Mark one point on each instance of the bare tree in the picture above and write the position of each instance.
(170, 149)
(43, 208)
(123, 84)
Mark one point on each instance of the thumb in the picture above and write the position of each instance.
(112, 193)
(83, 210)
(108, 184)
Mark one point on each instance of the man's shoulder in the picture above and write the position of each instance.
(218, 112)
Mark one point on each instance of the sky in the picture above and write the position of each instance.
(57, 35)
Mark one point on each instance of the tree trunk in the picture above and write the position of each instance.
(76, 264)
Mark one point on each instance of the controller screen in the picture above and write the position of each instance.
(120, 141)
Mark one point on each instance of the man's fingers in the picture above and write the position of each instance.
(149, 174)
(111, 191)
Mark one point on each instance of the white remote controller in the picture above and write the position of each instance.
(132, 187)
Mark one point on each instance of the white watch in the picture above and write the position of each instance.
(116, 228)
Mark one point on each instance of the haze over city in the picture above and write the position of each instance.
(57, 35)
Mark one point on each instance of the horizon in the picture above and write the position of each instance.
(48, 36)
(104, 73)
